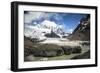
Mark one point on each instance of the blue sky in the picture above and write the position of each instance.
(69, 21)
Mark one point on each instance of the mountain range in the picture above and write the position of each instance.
(45, 29)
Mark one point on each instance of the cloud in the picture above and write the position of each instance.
(37, 16)
(57, 17)
(33, 16)
(46, 18)
(48, 23)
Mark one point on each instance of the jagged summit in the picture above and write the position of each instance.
(43, 29)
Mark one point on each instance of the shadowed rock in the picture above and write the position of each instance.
(44, 50)
(67, 50)
(71, 49)
(85, 55)
(76, 49)
(82, 31)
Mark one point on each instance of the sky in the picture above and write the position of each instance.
(68, 21)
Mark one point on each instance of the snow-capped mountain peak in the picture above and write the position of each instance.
(49, 24)
(43, 28)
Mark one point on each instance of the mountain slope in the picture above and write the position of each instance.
(82, 32)
(43, 30)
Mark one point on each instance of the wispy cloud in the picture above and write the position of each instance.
(32, 16)
(67, 21)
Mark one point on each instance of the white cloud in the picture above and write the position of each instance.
(39, 15)
(33, 16)
(57, 17)
(49, 24)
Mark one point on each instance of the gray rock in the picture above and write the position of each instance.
(71, 49)
(29, 58)
(76, 49)
(67, 50)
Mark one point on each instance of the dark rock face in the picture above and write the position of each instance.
(67, 50)
(52, 35)
(76, 49)
(82, 32)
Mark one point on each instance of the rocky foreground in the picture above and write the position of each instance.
(53, 50)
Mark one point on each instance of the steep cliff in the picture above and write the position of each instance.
(82, 31)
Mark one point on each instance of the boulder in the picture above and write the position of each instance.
(60, 52)
(76, 49)
(67, 50)
(44, 50)
(29, 58)
(71, 49)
